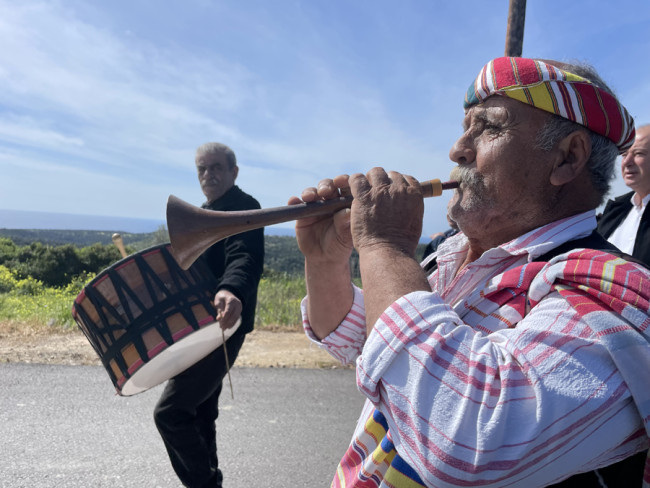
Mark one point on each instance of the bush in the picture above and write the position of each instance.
(56, 266)
(8, 250)
(7, 280)
(28, 300)
(53, 265)
(52, 307)
(98, 257)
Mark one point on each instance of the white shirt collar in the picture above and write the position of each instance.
(644, 201)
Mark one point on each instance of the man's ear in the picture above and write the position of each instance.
(574, 151)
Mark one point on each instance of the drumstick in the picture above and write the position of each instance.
(117, 240)
(225, 354)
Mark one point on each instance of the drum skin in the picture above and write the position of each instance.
(148, 319)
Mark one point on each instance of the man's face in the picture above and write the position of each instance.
(635, 165)
(215, 175)
(504, 176)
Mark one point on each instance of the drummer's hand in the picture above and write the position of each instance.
(229, 308)
(325, 238)
(387, 211)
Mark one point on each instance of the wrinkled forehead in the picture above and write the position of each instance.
(494, 108)
(643, 136)
(503, 110)
(212, 159)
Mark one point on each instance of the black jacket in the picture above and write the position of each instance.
(615, 212)
(238, 261)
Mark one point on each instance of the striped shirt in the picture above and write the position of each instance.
(508, 373)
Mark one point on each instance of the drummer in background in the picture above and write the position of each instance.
(188, 407)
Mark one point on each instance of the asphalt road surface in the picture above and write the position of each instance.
(64, 426)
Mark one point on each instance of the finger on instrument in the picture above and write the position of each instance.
(294, 200)
(378, 176)
(412, 181)
(309, 194)
(343, 184)
(327, 189)
(359, 184)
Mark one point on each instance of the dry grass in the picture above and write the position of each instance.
(31, 342)
(30, 328)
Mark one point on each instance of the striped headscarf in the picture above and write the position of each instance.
(554, 90)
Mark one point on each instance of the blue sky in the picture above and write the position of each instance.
(102, 103)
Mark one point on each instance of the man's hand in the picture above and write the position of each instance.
(228, 307)
(387, 211)
(325, 239)
(326, 244)
(386, 224)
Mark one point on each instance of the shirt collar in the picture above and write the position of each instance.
(547, 237)
(644, 201)
(224, 200)
(535, 243)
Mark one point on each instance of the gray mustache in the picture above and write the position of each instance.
(466, 176)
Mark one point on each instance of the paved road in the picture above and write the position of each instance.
(63, 426)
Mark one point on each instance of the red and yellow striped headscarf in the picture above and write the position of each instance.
(559, 92)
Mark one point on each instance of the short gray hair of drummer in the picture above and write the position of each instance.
(217, 148)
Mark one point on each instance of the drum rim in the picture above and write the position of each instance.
(101, 275)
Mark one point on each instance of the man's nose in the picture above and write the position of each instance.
(462, 152)
(627, 160)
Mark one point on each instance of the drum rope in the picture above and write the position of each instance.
(225, 354)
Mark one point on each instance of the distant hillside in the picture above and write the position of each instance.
(79, 238)
(281, 252)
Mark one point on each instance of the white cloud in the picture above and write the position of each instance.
(22, 130)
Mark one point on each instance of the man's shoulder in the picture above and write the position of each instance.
(621, 199)
(246, 196)
(614, 212)
(235, 199)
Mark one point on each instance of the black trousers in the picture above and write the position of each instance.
(185, 416)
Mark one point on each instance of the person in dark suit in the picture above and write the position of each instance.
(625, 222)
(187, 410)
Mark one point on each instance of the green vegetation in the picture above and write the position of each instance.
(82, 238)
(278, 301)
(28, 300)
(40, 280)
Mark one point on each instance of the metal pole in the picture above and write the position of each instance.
(515, 32)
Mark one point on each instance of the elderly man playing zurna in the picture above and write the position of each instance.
(518, 354)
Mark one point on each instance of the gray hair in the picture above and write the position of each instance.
(217, 148)
(601, 163)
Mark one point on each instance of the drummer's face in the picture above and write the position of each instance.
(215, 175)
